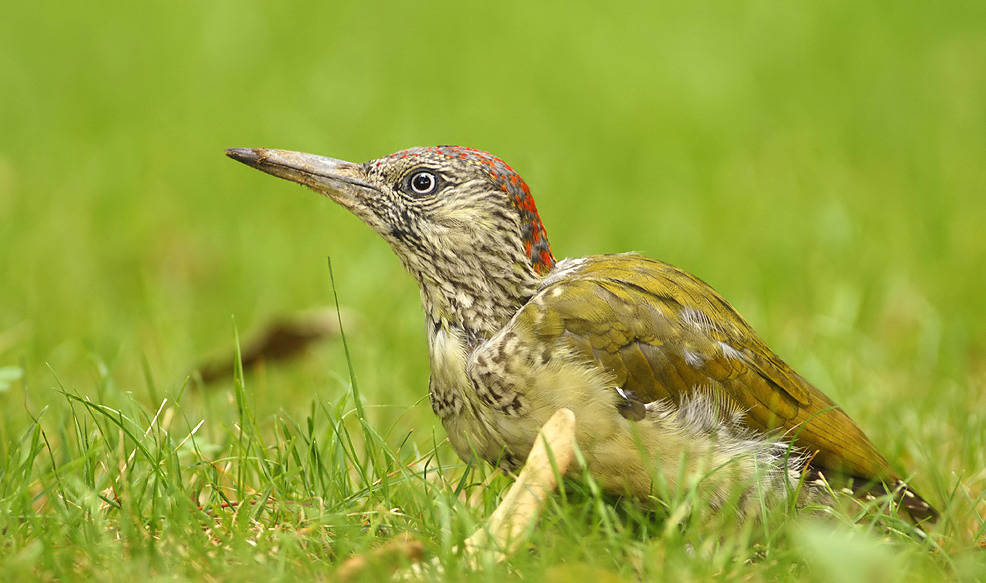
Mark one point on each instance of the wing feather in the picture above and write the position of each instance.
(662, 333)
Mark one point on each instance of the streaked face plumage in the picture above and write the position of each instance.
(458, 198)
(461, 221)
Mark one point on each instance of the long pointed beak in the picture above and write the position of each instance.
(333, 178)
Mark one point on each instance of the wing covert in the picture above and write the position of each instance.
(662, 333)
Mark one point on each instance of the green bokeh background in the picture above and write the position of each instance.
(822, 164)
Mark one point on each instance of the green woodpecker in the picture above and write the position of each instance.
(665, 378)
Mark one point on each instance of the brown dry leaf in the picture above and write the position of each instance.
(402, 549)
(502, 533)
(280, 339)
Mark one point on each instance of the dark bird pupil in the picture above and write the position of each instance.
(422, 182)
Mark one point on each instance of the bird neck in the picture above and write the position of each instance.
(476, 299)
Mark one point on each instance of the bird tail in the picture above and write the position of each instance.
(912, 504)
(914, 507)
(919, 509)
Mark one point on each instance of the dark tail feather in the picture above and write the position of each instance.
(914, 506)
(917, 507)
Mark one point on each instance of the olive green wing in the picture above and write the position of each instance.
(663, 334)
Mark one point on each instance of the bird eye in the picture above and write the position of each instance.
(423, 182)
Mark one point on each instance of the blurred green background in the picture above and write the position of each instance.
(822, 164)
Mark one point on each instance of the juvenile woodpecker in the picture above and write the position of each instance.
(665, 378)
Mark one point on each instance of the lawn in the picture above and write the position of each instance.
(822, 164)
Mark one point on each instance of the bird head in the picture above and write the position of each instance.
(461, 220)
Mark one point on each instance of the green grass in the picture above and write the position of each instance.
(820, 163)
